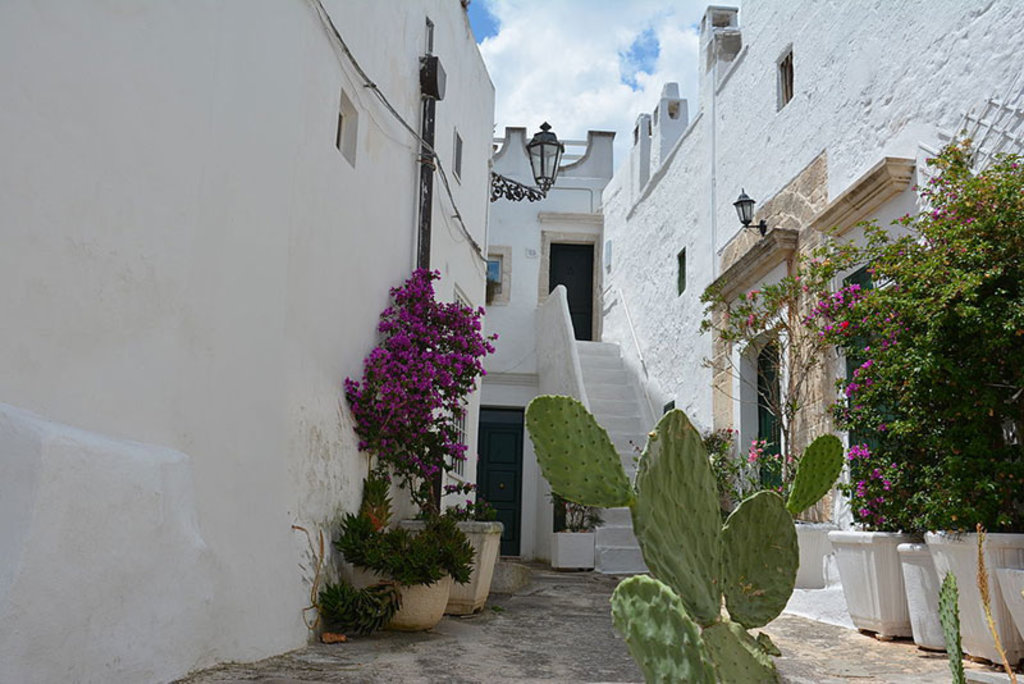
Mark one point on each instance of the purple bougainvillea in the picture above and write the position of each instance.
(415, 383)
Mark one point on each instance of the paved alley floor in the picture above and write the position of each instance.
(558, 629)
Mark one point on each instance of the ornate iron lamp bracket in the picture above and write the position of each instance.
(513, 190)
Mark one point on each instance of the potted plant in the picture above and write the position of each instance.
(572, 544)
(938, 369)
(421, 563)
(476, 518)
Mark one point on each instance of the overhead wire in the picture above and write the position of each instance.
(332, 31)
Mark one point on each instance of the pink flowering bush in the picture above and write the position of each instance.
(935, 396)
(415, 383)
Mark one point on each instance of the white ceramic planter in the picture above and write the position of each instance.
(1011, 585)
(869, 568)
(959, 554)
(922, 586)
(572, 550)
(471, 597)
(814, 549)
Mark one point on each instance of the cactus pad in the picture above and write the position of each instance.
(738, 658)
(816, 473)
(575, 454)
(676, 518)
(949, 617)
(662, 639)
(760, 548)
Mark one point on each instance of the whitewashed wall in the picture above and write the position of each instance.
(191, 264)
(871, 80)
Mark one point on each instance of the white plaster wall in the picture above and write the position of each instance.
(191, 263)
(871, 79)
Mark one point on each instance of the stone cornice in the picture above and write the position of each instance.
(777, 246)
(569, 217)
(522, 379)
(882, 182)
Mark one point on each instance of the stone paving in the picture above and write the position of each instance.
(558, 629)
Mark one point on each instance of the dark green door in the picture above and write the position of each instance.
(500, 472)
(573, 266)
(769, 395)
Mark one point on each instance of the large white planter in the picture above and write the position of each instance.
(471, 597)
(814, 549)
(572, 550)
(958, 553)
(869, 568)
(1011, 585)
(922, 586)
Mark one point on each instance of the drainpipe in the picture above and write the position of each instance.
(714, 161)
(432, 86)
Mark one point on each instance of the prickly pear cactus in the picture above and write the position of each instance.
(576, 455)
(816, 473)
(949, 617)
(676, 518)
(661, 637)
(738, 658)
(760, 548)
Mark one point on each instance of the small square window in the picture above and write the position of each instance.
(786, 78)
(347, 130)
(457, 157)
(681, 273)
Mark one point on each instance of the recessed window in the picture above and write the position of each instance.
(786, 78)
(345, 136)
(457, 156)
(681, 272)
(494, 274)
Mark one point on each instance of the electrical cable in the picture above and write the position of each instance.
(332, 31)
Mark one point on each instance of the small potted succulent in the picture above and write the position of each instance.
(572, 545)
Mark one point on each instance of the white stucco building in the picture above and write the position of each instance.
(205, 205)
(825, 114)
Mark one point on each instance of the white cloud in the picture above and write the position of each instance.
(560, 61)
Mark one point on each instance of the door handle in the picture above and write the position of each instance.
(501, 485)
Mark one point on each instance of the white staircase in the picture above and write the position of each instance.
(615, 402)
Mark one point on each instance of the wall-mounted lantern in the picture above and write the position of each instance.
(745, 209)
(545, 156)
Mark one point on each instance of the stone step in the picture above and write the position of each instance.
(618, 406)
(619, 560)
(610, 376)
(615, 535)
(593, 362)
(629, 425)
(619, 391)
(587, 348)
(616, 517)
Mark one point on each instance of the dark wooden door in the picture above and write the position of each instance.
(500, 472)
(769, 393)
(573, 266)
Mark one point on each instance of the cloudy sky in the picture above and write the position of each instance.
(586, 64)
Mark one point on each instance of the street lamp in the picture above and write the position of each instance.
(745, 209)
(545, 153)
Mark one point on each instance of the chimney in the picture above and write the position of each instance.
(670, 119)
